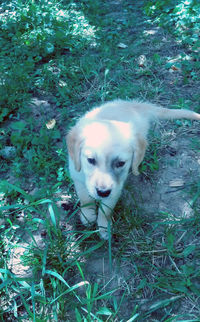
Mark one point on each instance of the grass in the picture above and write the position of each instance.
(57, 60)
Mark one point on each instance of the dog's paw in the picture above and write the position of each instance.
(135, 171)
(105, 227)
(87, 217)
(104, 234)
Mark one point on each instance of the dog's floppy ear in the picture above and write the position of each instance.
(74, 142)
(140, 146)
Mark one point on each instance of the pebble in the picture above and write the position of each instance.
(8, 152)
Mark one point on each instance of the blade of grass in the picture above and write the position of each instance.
(70, 289)
(163, 303)
(18, 189)
(134, 317)
(44, 260)
(92, 315)
(33, 299)
(110, 246)
(52, 214)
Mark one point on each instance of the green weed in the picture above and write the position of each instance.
(182, 19)
(31, 34)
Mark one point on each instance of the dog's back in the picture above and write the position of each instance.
(138, 113)
(120, 110)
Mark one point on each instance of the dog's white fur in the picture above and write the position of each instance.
(103, 146)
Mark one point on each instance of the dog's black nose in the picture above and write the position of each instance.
(103, 193)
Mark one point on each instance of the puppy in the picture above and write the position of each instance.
(103, 146)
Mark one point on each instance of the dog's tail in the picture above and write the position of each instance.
(171, 114)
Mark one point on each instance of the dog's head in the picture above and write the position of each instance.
(102, 151)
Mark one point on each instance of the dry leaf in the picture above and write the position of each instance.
(176, 183)
(142, 60)
(121, 45)
(174, 68)
(50, 124)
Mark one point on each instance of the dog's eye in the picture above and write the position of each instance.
(119, 164)
(92, 161)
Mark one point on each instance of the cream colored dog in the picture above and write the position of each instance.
(103, 146)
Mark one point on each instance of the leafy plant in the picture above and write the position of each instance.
(32, 33)
(43, 293)
(181, 17)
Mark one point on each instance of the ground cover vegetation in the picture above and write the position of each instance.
(57, 59)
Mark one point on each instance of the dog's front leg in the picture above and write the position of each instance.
(140, 148)
(88, 206)
(105, 216)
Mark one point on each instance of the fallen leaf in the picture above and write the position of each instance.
(50, 124)
(176, 183)
(174, 68)
(121, 45)
(142, 60)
